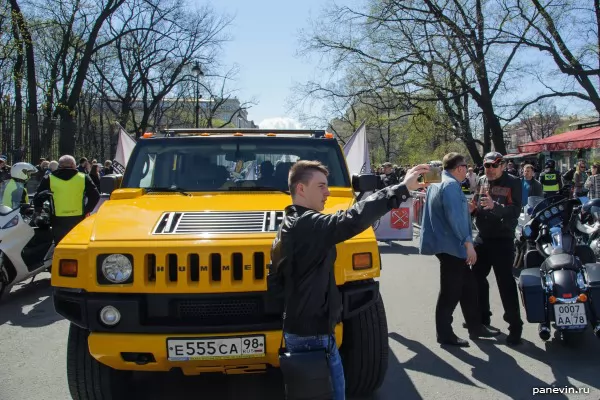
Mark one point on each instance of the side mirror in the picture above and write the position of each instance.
(108, 183)
(365, 183)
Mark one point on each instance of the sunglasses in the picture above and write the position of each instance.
(491, 165)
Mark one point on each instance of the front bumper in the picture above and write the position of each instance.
(144, 352)
(145, 313)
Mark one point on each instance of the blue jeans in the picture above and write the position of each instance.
(297, 344)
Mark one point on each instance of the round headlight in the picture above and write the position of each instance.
(117, 268)
(110, 316)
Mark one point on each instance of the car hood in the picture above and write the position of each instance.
(172, 216)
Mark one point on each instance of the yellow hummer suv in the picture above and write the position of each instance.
(171, 271)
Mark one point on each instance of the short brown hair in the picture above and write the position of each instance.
(528, 166)
(302, 171)
(451, 161)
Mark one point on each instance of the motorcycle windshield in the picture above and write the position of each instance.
(12, 195)
(532, 202)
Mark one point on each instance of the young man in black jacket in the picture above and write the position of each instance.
(497, 206)
(305, 249)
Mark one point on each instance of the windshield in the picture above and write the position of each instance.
(228, 163)
(12, 195)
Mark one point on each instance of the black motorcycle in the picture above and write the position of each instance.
(558, 278)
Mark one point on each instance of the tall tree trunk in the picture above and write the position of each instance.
(18, 82)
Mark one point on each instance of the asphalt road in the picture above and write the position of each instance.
(33, 341)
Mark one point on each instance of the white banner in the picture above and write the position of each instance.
(396, 224)
(124, 148)
(356, 151)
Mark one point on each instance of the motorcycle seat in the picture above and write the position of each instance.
(561, 261)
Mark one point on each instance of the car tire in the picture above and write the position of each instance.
(365, 350)
(89, 379)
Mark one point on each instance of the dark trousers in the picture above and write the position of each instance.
(63, 225)
(498, 254)
(457, 285)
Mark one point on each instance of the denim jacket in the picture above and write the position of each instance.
(446, 225)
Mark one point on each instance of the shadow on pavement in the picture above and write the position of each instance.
(29, 305)
(501, 371)
(175, 386)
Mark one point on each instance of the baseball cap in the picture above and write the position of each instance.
(493, 157)
(3, 158)
(387, 164)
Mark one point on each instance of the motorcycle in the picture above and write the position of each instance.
(559, 280)
(590, 229)
(26, 243)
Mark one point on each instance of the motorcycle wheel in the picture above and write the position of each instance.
(4, 278)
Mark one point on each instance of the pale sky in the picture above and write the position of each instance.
(265, 39)
(264, 42)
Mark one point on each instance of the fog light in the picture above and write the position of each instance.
(110, 316)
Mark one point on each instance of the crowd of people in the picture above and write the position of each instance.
(74, 187)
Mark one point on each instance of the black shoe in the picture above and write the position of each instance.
(454, 342)
(488, 325)
(484, 332)
(514, 339)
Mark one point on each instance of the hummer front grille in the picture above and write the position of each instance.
(206, 268)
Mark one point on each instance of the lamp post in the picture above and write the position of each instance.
(198, 72)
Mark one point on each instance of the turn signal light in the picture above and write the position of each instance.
(271, 134)
(552, 299)
(238, 134)
(582, 298)
(362, 261)
(205, 134)
(328, 135)
(68, 268)
(147, 135)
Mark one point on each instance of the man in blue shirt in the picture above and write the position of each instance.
(446, 232)
(531, 187)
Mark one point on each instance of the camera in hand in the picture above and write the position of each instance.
(434, 175)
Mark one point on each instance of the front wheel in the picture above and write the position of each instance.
(4, 277)
(365, 350)
(88, 379)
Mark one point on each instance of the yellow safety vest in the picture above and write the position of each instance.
(550, 183)
(68, 195)
(9, 189)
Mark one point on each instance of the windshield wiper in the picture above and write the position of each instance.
(167, 189)
(259, 188)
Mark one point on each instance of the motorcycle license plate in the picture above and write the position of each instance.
(216, 348)
(570, 314)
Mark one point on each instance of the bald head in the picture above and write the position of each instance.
(67, 162)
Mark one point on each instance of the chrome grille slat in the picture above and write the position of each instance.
(218, 222)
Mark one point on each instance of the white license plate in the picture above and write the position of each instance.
(570, 314)
(215, 348)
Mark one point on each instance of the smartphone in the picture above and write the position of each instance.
(434, 175)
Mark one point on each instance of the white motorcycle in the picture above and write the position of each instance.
(26, 243)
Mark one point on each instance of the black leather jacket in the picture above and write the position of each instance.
(501, 221)
(305, 247)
